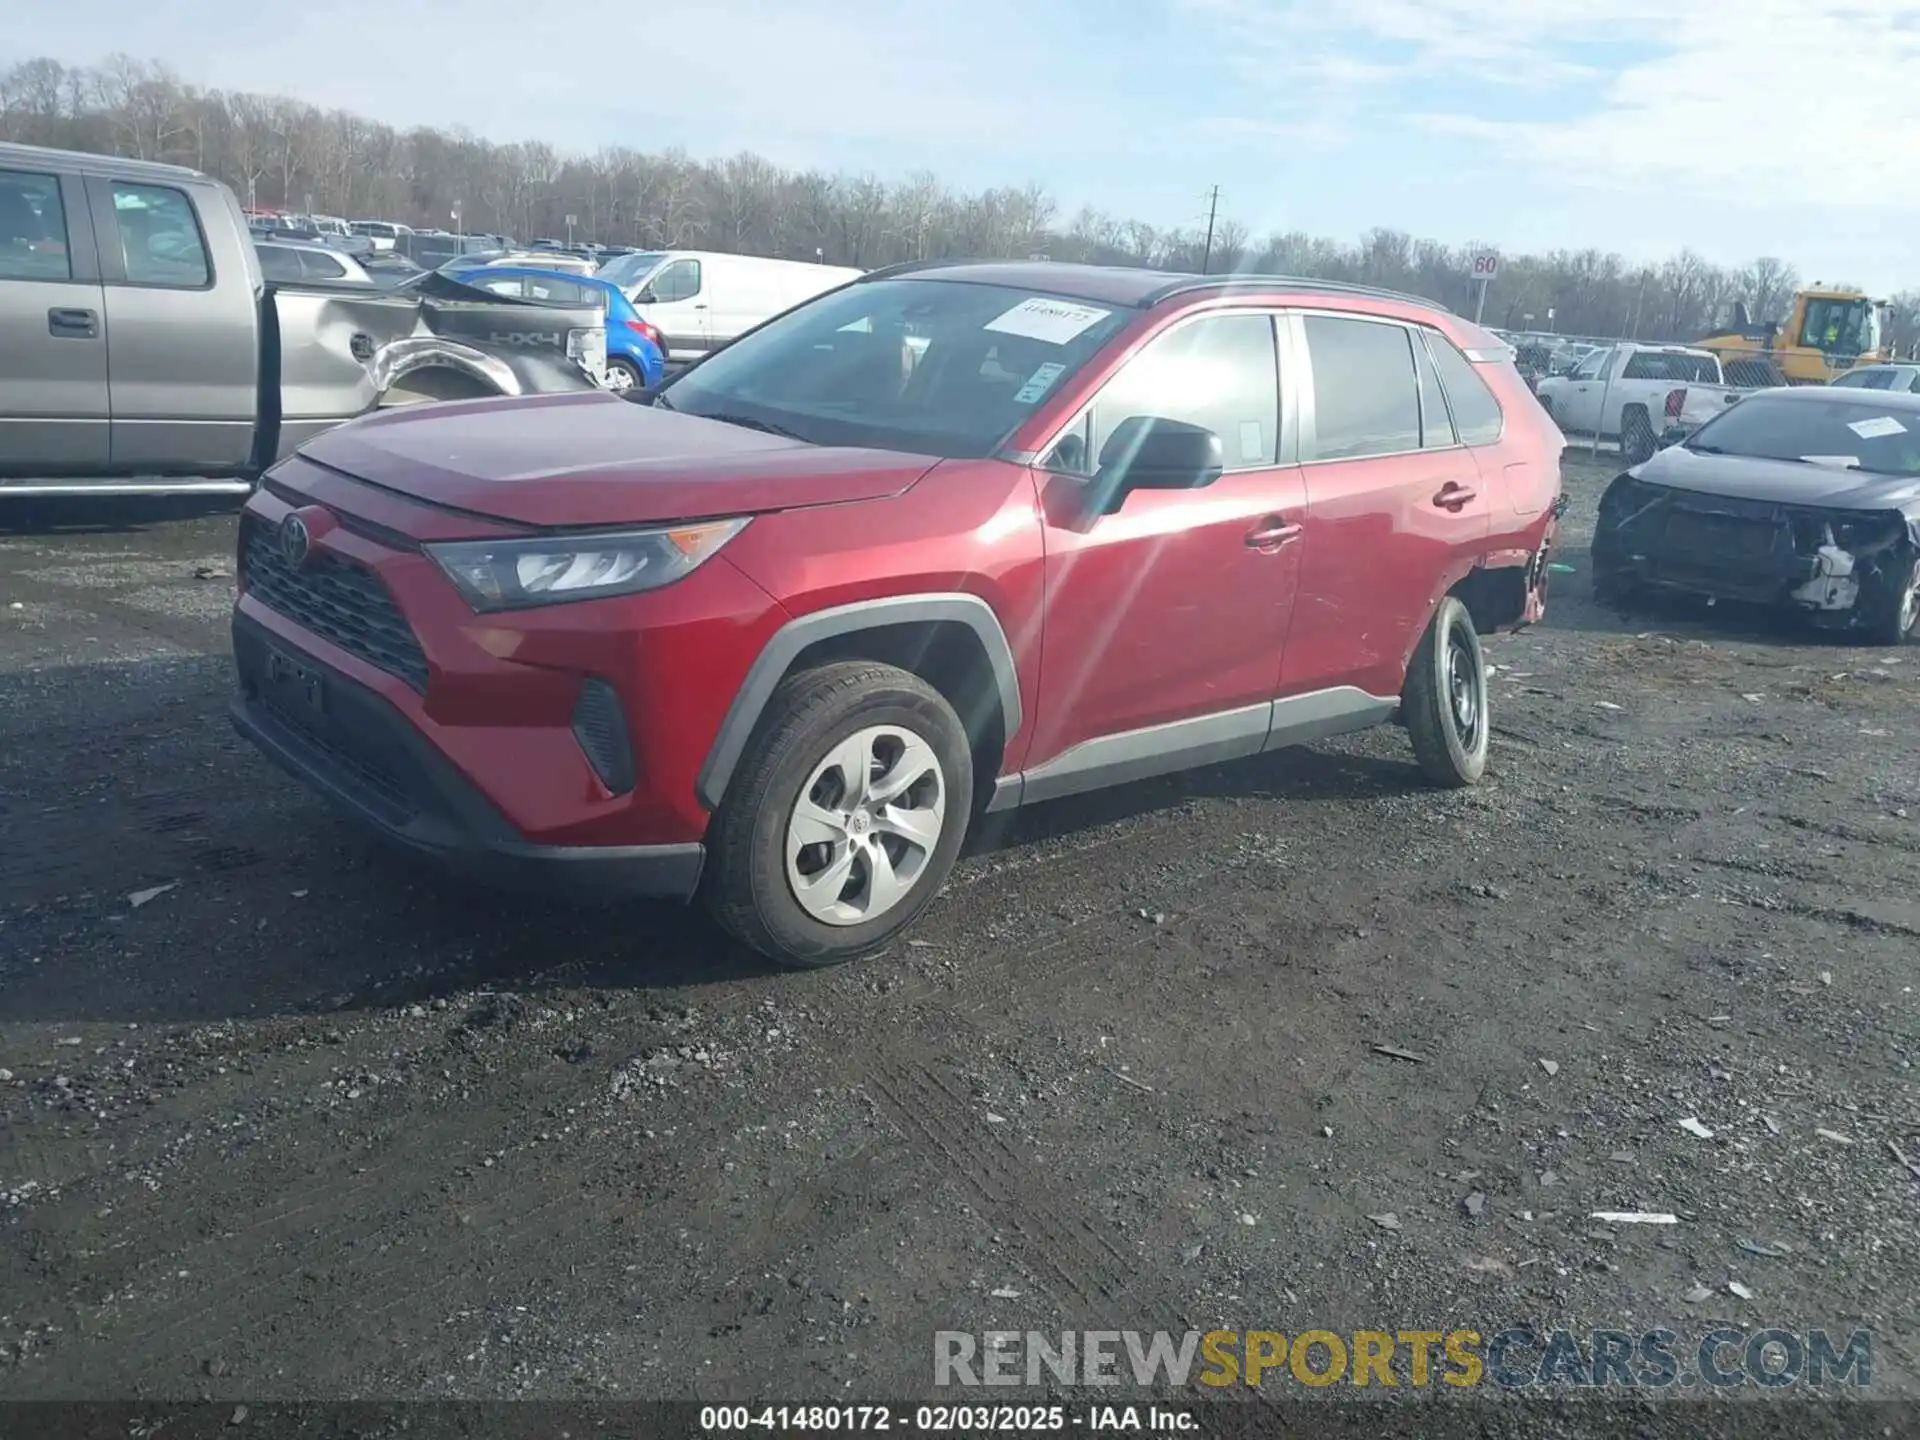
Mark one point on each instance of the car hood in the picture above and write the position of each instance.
(593, 459)
(1785, 481)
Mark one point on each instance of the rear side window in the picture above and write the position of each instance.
(557, 291)
(1686, 369)
(160, 236)
(279, 263)
(1366, 396)
(1219, 373)
(321, 267)
(1476, 413)
(33, 228)
(679, 280)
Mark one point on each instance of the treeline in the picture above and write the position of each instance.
(280, 153)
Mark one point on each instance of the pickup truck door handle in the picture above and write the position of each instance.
(1273, 533)
(1453, 495)
(72, 324)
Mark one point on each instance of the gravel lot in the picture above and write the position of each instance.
(312, 1122)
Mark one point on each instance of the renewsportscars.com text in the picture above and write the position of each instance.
(1519, 1357)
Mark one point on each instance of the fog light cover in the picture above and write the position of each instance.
(600, 726)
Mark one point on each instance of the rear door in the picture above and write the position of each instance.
(53, 345)
(1394, 501)
(183, 369)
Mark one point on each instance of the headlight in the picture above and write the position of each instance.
(552, 569)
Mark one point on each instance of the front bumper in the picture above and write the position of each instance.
(1724, 547)
(360, 753)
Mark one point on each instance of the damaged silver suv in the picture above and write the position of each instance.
(1807, 498)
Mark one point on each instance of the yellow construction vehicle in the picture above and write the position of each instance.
(1825, 334)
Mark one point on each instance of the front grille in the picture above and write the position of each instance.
(336, 600)
(1726, 536)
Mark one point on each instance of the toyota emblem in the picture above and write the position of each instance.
(295, 541)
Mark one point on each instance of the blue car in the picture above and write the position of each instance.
(635, 355)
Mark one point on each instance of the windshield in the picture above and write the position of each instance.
(630, 269)
(1842, 327)
(1836, 432)
(933, 367)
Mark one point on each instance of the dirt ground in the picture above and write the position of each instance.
(313, 1122)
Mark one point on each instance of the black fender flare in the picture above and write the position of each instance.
(797, 635)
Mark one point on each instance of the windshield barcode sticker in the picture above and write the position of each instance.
(1054, 321)
(1038, 383)
(1880, 425)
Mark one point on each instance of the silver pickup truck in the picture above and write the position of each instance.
(141, 351)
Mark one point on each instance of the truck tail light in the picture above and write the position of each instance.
(588, 349)
(1676, 400)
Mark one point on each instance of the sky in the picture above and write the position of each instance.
(1735, 127)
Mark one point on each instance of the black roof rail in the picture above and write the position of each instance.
(1186, 284)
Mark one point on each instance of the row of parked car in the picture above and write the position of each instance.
(156, 338)
(663, 308)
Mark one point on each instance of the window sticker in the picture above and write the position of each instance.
(1039, 383)
(1054, 321)
(1880, 425)
(1252, 445)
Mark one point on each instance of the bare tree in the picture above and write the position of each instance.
(278, 151)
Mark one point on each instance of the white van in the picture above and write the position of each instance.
(700, 299)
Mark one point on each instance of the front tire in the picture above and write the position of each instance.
(844, 818)
(1445, 699)
(1894, 618)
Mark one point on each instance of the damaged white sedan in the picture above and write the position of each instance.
(1806, 497)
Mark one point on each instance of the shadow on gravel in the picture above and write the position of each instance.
(108, 514)
(1298, 776)
(131, 779)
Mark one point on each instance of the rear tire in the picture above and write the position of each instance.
(1638, 443)
(1445, 699)
(799, 820)
(623, 376)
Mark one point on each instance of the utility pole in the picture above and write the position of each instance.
(1213, 209)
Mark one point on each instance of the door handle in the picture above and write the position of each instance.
(1272, 533)
(699, 304)
(72, 324)
(1453, 495)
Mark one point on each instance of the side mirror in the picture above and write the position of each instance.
(1146, 452)
(645, 296)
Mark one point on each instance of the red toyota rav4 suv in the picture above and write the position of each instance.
(951, 538)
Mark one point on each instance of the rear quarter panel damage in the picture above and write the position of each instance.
(341, 348)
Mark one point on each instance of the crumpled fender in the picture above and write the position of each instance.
(400, 358)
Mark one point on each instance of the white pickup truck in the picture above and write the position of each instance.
(1643, 396)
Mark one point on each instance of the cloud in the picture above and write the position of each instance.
(806, 83)
(1794, 103)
